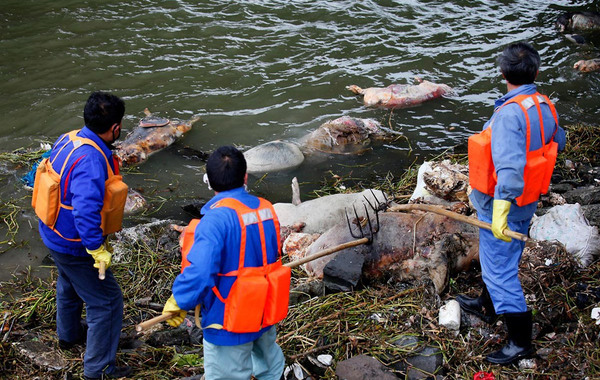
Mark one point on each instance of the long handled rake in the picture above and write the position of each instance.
(459, 217)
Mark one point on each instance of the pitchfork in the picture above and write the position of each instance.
(364, 237)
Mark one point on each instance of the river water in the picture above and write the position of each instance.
(256, 71)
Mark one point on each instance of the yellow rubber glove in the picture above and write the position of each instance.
(100, 254)
(108, 246)
(499, 219)
(171, 307)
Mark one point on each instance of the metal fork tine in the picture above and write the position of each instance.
(362, 234)
(370, 236)
(379, 206)
(350, 227)
(369, 202)
(372, 229)
(348, 220)
(377, 219)
(375, 197)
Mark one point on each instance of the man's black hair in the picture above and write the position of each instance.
(519, 63)
(102, 111)
(226, 169)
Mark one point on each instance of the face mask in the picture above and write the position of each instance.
(115, 138)
(205, 179)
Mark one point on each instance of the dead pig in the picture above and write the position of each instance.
(151, 135)
(406, 247)
(401, 95)
(346, 135)
(578, 21)
(587, 66)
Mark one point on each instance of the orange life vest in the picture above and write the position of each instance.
(540, 162)
(186, 242)
(259, 296)
(47, 197)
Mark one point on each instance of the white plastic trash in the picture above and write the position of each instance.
(567, 224)
(449, 316)
(296, 370)
(596, 315)
(325, 359)
(421, 192)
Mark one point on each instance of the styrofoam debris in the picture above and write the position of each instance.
(449, 315)
(325, 359)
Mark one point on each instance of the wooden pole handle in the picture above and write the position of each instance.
(197, 316)
(459, 217)
(163, 317)
(326, 252)
(151, 322)
(102, 270)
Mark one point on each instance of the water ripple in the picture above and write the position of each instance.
(260, 62)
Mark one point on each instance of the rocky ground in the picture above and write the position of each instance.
(388, 329)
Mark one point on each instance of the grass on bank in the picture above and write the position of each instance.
(24, 157)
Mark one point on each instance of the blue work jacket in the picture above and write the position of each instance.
(216, 249)
(82, 187)
(508, 151)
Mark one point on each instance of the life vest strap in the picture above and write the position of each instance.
(66, 238)
(527, 101)
(77, 143)
(527, 123)
(248, 216)
(218, 294)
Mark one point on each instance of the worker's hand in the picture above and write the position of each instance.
(499, 219)
(100, 254)
(170, 308)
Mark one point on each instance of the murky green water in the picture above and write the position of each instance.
(256, 71)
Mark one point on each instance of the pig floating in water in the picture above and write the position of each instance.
(344, 135)
(587, 65)
(401, 95)
(150, 136)
(273, 156)
(584, 21)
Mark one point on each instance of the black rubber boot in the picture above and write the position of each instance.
(481, 306)
(519, 327)
(117, 373)
(65, 345)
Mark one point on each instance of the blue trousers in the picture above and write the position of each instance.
(77, 284)
(261, 358)
(500, 267)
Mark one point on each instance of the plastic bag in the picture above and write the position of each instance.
(567, 224)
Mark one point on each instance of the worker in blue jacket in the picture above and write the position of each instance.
(77, 243)
(214, 258)
(500, 255)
